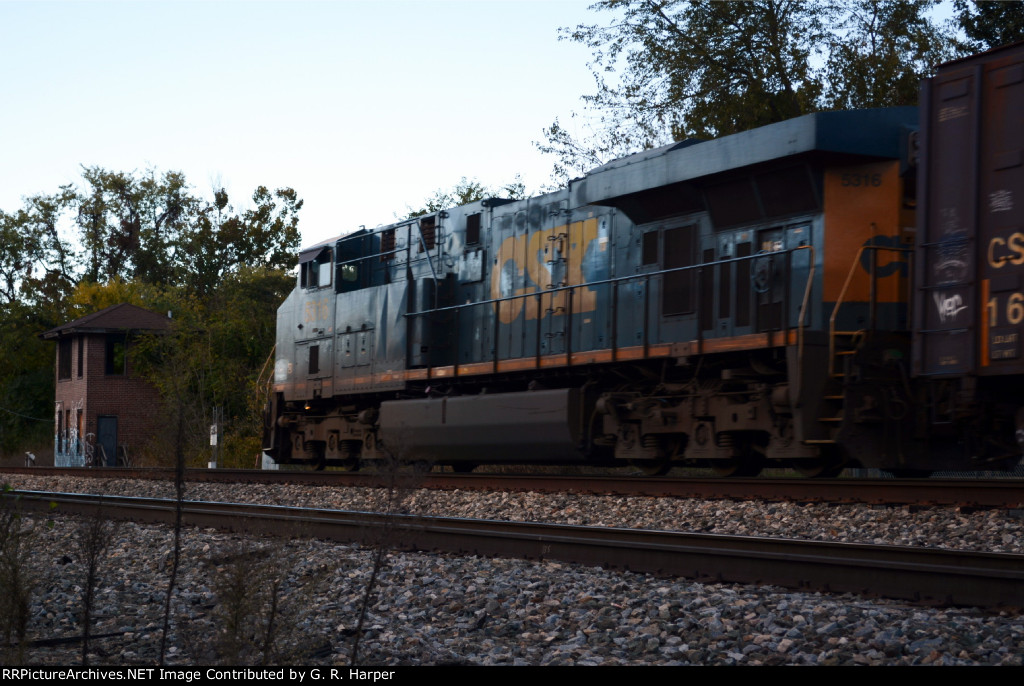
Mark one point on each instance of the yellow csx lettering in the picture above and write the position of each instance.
(998, 247)
(534, 254)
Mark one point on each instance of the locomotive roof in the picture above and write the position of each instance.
(874, 133)
(868, 133)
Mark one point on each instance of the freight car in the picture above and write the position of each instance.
(774, 297)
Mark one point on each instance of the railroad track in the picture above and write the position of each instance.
(919, 574)
(981, 493)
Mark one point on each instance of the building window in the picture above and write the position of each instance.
(64, 359)
(115, 354)
(81, 355)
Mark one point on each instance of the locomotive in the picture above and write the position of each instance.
(840, 289)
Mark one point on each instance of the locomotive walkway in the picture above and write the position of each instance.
(919, 574)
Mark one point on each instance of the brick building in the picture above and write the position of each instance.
(101, 408)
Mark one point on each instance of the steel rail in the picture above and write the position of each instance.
(929, 575)
(969, 493)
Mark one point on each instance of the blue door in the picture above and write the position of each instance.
(106, 438)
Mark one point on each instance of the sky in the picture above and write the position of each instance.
(365, 108)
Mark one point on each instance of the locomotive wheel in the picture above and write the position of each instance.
(747, 460)
(318, 453)
(652, 467)
(349, 465)
(818, 468)
(664, 448)
(737, 467)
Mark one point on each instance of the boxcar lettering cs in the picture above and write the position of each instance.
(1003, 251)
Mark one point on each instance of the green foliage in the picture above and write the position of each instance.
(691, 69)
(130, 223)
(667, 70)
(222, 241)
(880, 52)
(37, 263)
(575, 155)
(465, 192)
(989, 23)
(88, 297)
(213, 357)
(26, 379)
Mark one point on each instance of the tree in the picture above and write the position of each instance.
(130, 224)
(465, 192)
(673, 69)
(575, 155)
(26, 379)
(222, 241)
(695, 69)
(989, 24)
(18, 250)
(88, 297)
(38, 264)
(36, 270)
(212, 358)
(879, 52)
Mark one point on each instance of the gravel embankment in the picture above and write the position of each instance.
(436, 609)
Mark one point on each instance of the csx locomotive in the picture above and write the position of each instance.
(840, 289)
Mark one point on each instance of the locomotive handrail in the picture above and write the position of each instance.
(873, 295)
(804, 305)
(645, 278)
(604, 282)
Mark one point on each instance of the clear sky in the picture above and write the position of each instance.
(363, 107)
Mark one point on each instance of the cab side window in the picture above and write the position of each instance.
(316, 272)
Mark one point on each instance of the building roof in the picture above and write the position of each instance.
(114, 319)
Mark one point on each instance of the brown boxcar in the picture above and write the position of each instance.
(970, 309)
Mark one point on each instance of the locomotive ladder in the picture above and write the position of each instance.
(843, 344)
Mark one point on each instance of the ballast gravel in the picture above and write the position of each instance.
(939, 527)
(440, 609)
